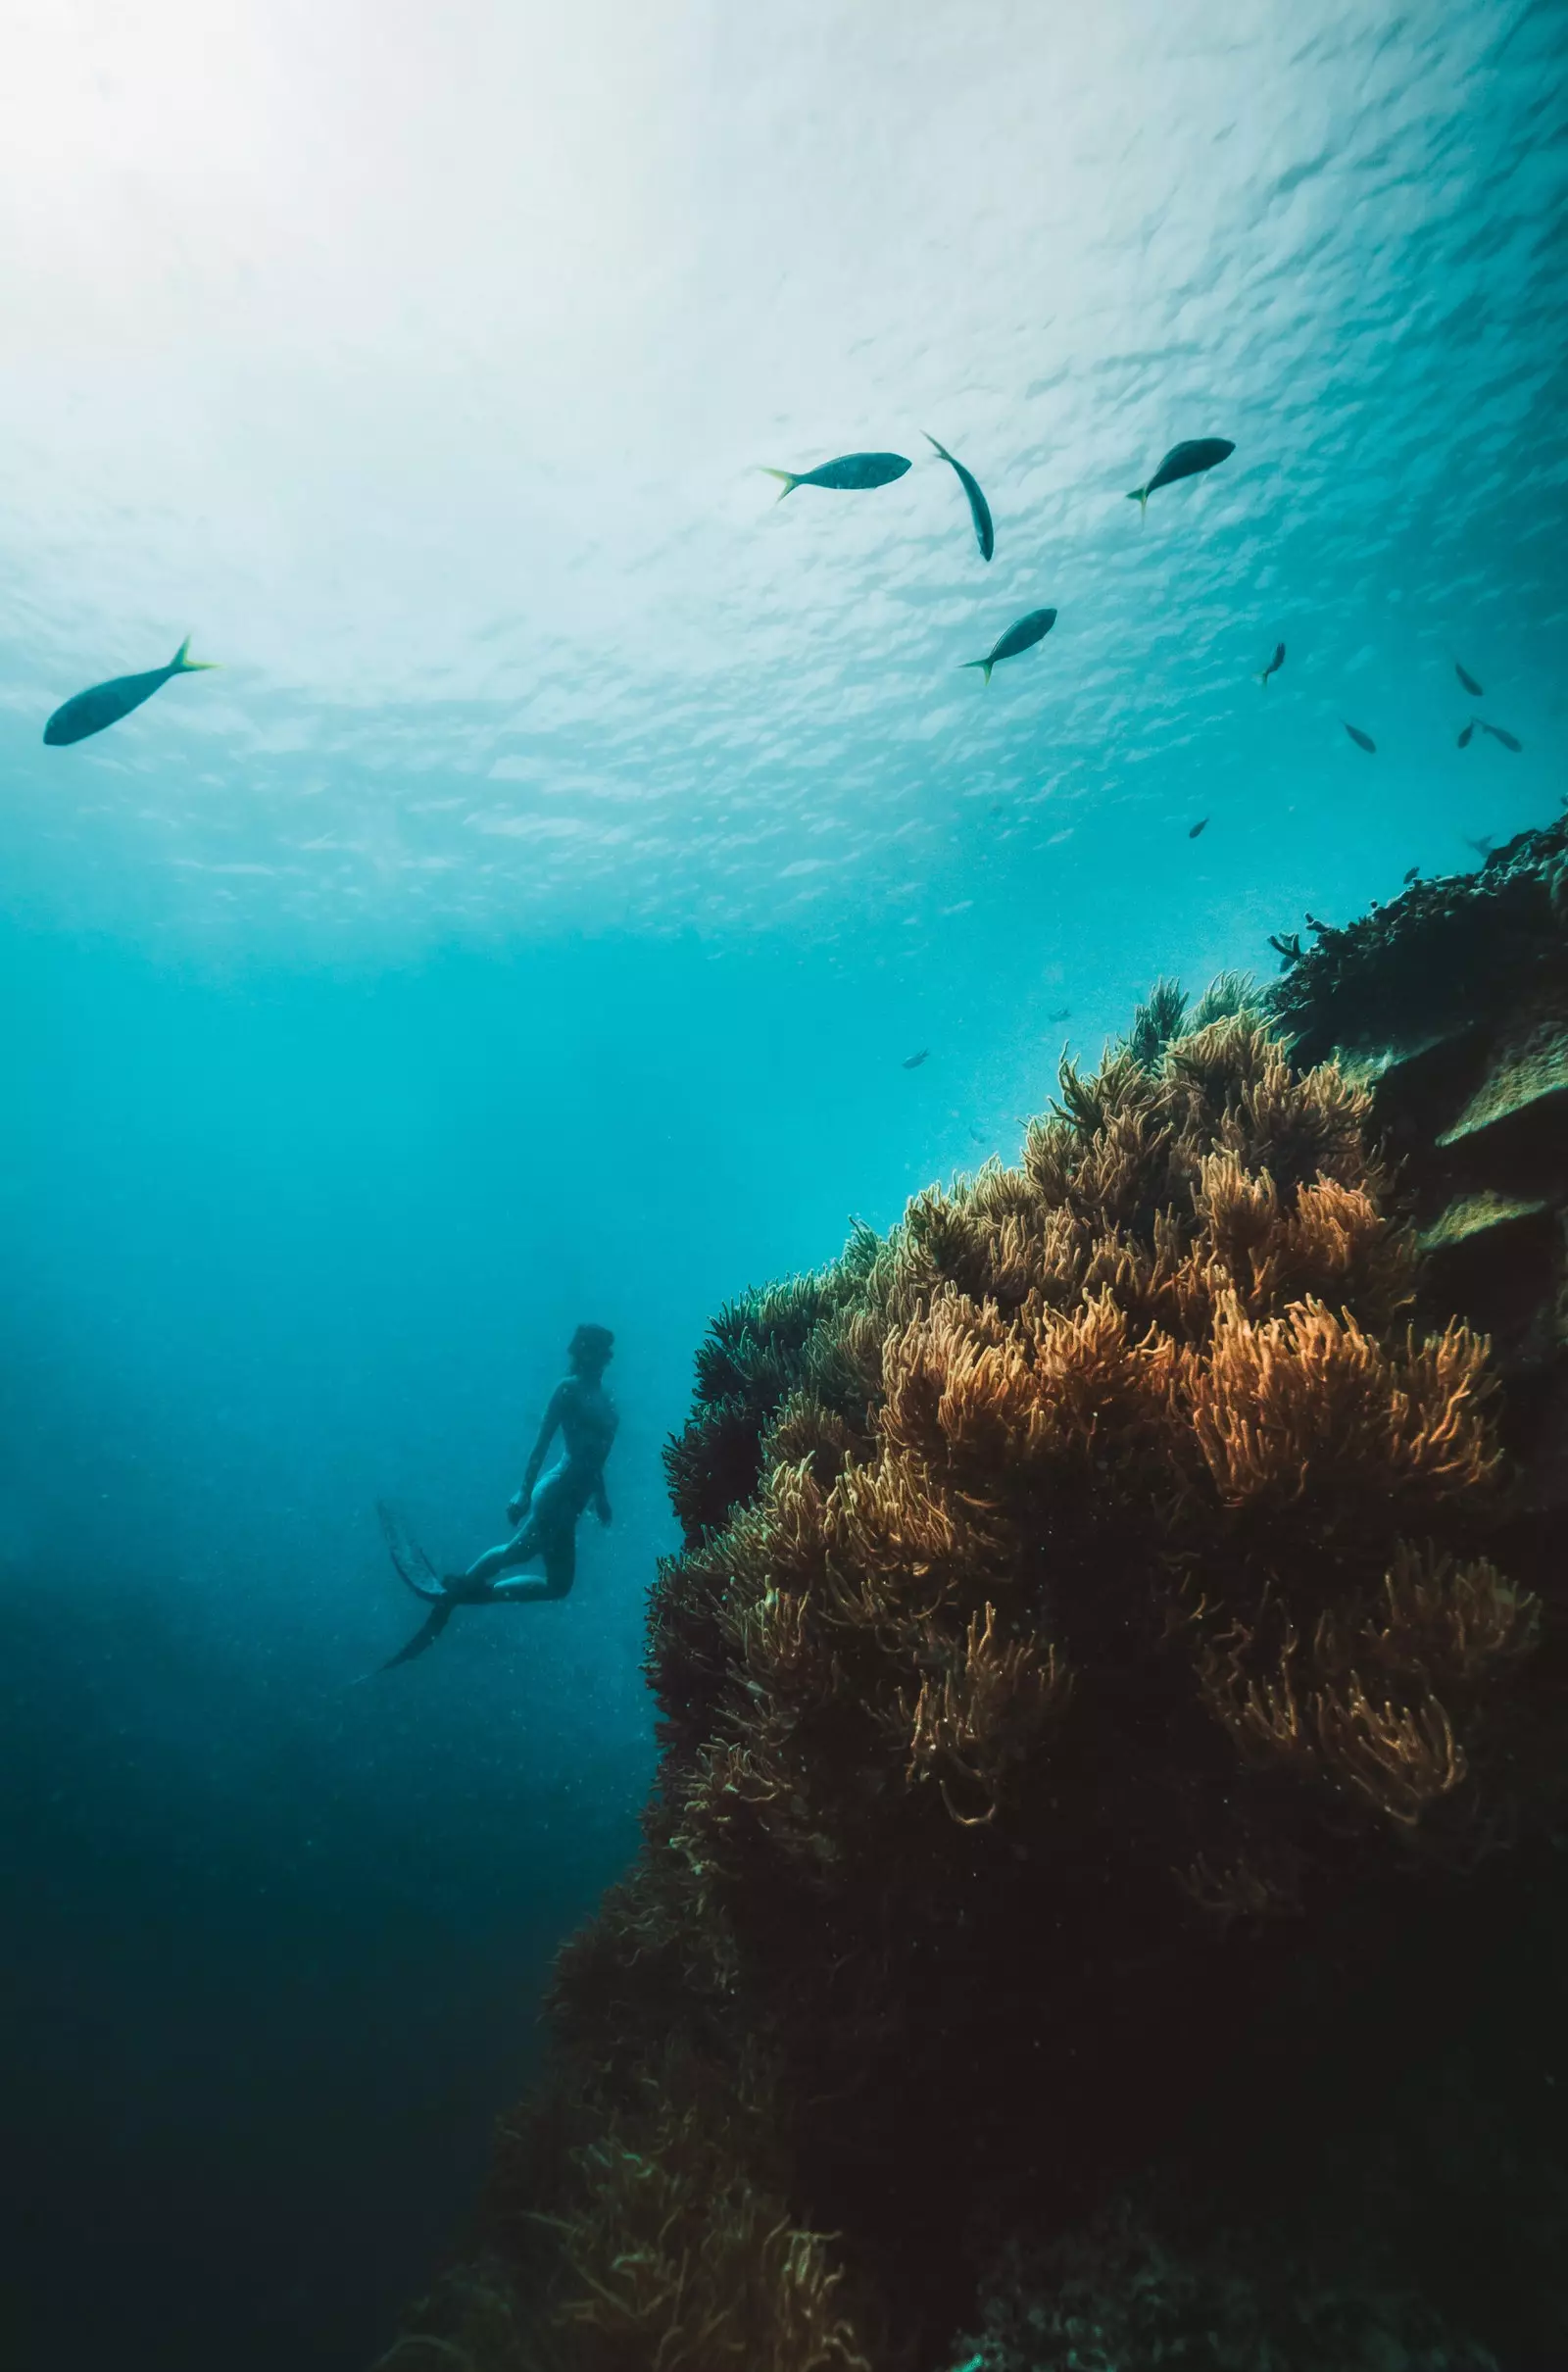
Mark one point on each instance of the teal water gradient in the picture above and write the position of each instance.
(532, 920)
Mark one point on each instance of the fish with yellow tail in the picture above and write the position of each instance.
(985, 533)
(851, 474)
(1022, 635)
(1187, 460)
(105, 704)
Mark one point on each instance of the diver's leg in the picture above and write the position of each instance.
(560, 1565)
(520, 1550)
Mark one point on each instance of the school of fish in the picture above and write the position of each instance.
(105, 704)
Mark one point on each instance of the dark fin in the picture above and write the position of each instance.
(408, 1559)
(429, 1632)
(1140, 496)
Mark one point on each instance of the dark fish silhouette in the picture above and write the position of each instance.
(975, 1138)
(1469, 682)
(851, 474)
(1063, 1013)
(1021, 635)
(1465, 733)
(1413, 874)
(985, 534)
(1201, 825)
(913, 1062)
(105, 704)
(1507, 740)
(1274, 665)
(1189, 460)
(1362, 741)
(1482, 847)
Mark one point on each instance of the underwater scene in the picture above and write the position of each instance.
(784, 931)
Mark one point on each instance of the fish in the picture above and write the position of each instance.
(1022, 635)
(985, 533)
(975, 1137)
(1469, 682)
(1507, 740)
(1465, 733)
(1482, 847)
(1274, 665)
(1362, 741)
(1414, 874)
(103, 704)
(851, 474)
(1201, 825)
(1063, 1013)
(1188, 459)
(913, 1062)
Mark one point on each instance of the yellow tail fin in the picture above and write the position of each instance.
(791, 481)
(180, 664)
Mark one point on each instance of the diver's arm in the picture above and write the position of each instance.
(518, 1506)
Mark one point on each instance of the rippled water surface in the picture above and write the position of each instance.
(420, 361)
(535, 918)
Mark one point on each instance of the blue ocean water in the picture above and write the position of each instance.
(535, 918)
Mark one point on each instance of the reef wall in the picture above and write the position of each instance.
(1101, 1898)
(1451, 1004)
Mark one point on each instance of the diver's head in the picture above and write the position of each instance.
(590, 1351)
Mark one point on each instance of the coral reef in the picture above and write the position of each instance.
(1091, 1658)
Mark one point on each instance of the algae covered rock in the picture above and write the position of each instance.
(1452, 1006)
(1094, 1697)
(1117, 2297)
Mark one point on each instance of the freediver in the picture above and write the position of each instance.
(545, 1510)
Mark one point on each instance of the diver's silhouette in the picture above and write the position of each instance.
(545, 1510)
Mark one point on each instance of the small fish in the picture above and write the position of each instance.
(1274, 665)
(1414, 874)
(1469, 682)
(985, 533)
(103, 704)
(1021, 635)
(1201, 825)
(851, 474)
(1362, 741)
(1465, 733)
(913, 1062)
(1063, 1013)
(1188, 459)
(975, 1138)
(1482, 847)
(1507, 740)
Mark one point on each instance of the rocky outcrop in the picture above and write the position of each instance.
(1451, 1007)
